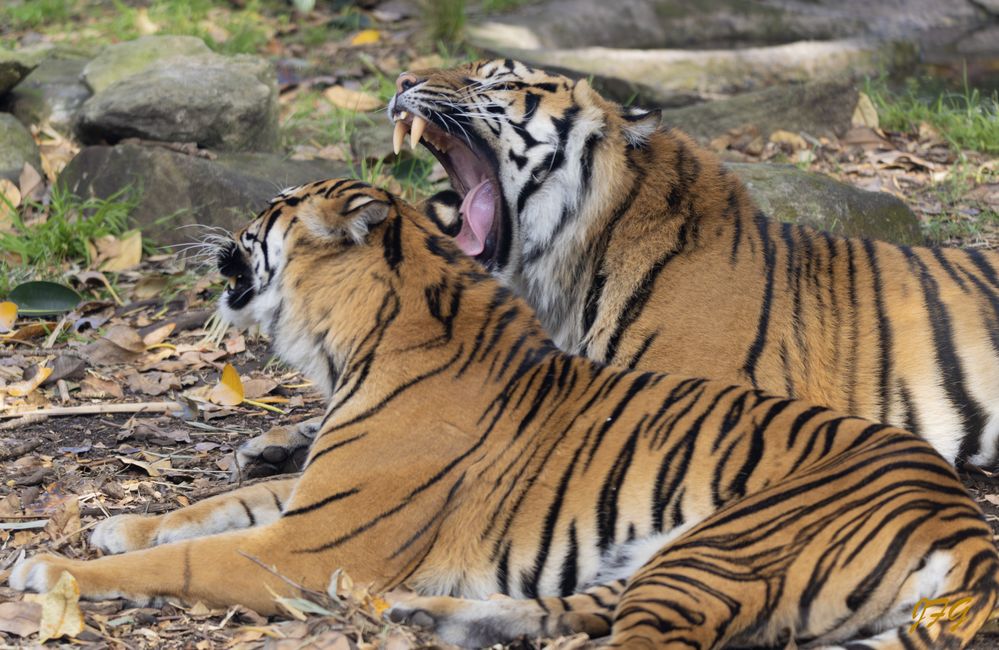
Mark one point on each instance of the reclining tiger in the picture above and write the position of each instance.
(463, 454)
(637, 248)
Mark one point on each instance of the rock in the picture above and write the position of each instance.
(819, 108)
(673, 77)
(122, 60)
(225, 103)
(712, 24)
(14, 66)
(16, 148)
(53, 92)
(789, 194)
(175, 190)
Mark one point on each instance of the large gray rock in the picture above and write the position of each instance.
(14, 66)
(702, 24)
(787, 193)
(176, 190)
(819, 108)
(16, 148)
(225, 103)
(674, 77)
(53, 92)
(122, 60)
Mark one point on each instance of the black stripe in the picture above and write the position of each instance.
(763, 322)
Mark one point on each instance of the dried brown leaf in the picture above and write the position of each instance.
(21, 618)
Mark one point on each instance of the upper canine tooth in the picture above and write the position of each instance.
(232, 283)
(397, 136)
(403, 115)
(419, 124)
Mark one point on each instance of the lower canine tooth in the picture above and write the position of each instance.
(397, 136)
(419, 124)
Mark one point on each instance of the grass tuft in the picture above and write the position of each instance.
(70, 224)
(968, 120)
(445, 20)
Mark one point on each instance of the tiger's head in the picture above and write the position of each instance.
(519, 146)
(297, 268)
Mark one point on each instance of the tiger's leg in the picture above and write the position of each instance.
(823, 560)
(281, 450)
(246, 567)
(245, 507)
(481, 623)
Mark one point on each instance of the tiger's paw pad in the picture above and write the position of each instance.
(282, 450)
(121, 534)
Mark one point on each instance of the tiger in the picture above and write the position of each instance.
(463, 454)
(638, 248)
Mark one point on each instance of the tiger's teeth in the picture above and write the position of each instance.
(397, 136)
(232, 283)
(403, 115)
(419, 124)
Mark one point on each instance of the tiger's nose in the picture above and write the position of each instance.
(406, 81)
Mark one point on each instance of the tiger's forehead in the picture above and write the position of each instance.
(530, 87)
(334, 194)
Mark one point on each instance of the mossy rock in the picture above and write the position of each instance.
(16, 148)
(787, 193)
(123, 60)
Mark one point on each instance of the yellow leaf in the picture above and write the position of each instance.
(379, 604)
(128, 254)
(865, 114)
(229, 390)
(352, 100)
(158, 335)
(144, 23)
(8, 314)
(152, 468)
(9, 193)
(61, 615)
(366, 37)
(22, 388)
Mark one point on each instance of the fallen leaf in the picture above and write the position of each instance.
(125, 338)
(229, 390)
(152, 468)
(366, 37)
(258, 387)
(20, 618)
(151, 383)
(159, 334)
(61, 615)
(64, 520)
(98, 387)
(793, 140)
(126, 255)
(30, 182)
(9, 194)
(865, 113)
(8, 314)
(144, 24)
(352, 100)
(22, 388)
(431, 61)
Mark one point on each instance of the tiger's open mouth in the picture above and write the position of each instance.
(471, 175)
(232, 265)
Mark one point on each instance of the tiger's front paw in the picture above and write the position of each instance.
(124, 533)
(37, 573)
(282, 450)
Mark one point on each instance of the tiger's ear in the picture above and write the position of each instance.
(639, 124)
(351, 223)
(444, 209)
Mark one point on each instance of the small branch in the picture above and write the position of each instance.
(16, 451)
(101, 409)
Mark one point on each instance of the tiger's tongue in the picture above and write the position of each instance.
(478, 210)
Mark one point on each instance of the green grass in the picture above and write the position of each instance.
(225, 31)
(444, 20)
(967, 120)
(70, 224)
(499, 6)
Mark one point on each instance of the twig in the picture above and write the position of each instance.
(20, 449)
(101, 409)
(23, 421)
